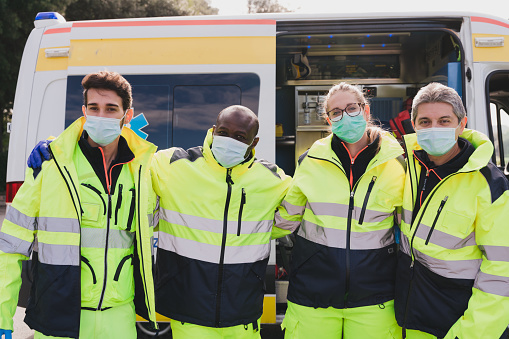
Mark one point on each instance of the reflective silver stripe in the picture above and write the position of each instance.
(341, 210)
(404, 244)
(337, 238)
(96, 238)
(11, 244)
(493, 284)
(59, 254)
(455, 269)
(328, 208)
(20, 219)
(445, 240)
(215, 226)
(293, 209)
(69, 225)
(406, 216)
(496, 253)
(211, 253)
(285, 224)
(153, 219)
(371, 215)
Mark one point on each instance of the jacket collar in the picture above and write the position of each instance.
(63, 146)
(389, 149)
(479, 158)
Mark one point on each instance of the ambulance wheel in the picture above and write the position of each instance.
(163, 328)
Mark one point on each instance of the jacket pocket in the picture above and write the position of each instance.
(241, 208)
(123, 280)
(124, 208)
(442, 203)
(87, 271)
(93, 206)
(366, 198)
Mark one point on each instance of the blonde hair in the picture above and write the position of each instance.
(373, 130)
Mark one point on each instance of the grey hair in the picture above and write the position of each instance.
(436, 92)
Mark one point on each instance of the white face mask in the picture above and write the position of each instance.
(228, 151)
(103, 131)
(437, 141)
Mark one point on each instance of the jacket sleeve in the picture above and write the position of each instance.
(487, 315)
(16, 244)
(282, 189)
(289, 213)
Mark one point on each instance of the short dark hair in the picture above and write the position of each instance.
(109, 81)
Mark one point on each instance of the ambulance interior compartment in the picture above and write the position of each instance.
(388, 61)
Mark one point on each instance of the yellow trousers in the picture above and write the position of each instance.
(115, 323)
(367, 322)
(190, 331)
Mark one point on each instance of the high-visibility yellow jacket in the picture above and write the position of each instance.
(453, 267)
(345, 252)
(80, 238)
(214, 235)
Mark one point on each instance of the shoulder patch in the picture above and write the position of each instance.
(270, 166)
(496, 180)
(191, 154)
(302, 156)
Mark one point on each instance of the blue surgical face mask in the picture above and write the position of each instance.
(103, 131)
(349, 129)
(228, 151)
(436, 141)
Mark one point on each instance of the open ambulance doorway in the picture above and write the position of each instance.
(390, 60)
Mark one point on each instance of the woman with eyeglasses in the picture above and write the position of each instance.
(342, 203)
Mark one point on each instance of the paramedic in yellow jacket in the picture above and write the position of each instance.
(217, 205)
(453, 268)
(83, 219)
(343, 200)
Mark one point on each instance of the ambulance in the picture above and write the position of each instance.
(185, 70)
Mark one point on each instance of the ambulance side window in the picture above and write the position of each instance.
(195, 109)
(176, 109)
(498, 87)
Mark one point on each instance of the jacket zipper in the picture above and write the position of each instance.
(87, 262)
(142, 259)
(131, 209)
(436, 218)
(106, 253)
(108, 217)
(98, 193)
(366, 198)
(242, 202)
(347, 252)
(229, 183)
(119, 202)
(121, 265)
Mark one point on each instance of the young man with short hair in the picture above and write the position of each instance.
(82, 218)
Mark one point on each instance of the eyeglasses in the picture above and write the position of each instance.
(352, 110)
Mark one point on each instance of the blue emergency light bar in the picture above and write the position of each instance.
(46, 16)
